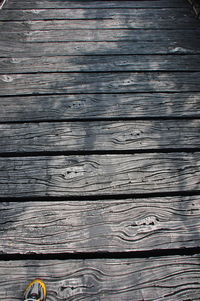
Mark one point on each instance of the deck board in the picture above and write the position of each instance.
(100, 151)
(122, 225)
(111, 63)
(89, 175)
(15, 4)
(99, 136)
(107, 82)
(99, 106)
(164, 278)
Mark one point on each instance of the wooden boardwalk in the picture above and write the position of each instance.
(100, 149)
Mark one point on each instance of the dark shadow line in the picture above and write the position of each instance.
(97, 152)
(102, 255)
(106, 119)
(100, 93)
(101, 197)
(106, 72)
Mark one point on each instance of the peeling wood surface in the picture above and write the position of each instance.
(99, 175)
(94, 226)
(172, 278)
(99, 135)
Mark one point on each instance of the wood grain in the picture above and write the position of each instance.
(88, 106)
(59, 83)
(94, 226)
(168, 278)
(91, 175)
(96, 136)
(29, 4)
(100, 63)
(99, 35)
(165, 46)
(110, 19)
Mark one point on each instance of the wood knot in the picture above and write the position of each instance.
(7, 78)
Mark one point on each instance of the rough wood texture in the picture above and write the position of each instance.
(107, 19)
(87, 106)
(169, 278)
(105, 136)
(165, 46)
(59, 83)
(100, 63)
(29, 4)
(99, 175)
(106, 226)
(105, 35)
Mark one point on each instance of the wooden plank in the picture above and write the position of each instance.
(112, 19)
(56, 83)
(100, 63)
(106, 35)
(100, 226)
(170, 45)
(101, 135)
(91, 175)
(94, 14)
(87, 106)
(29, 4)
(169, 278)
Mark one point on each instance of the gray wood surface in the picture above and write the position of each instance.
(89, 14)
(94, 226)
(168, 278)
(29, 4)
(104, 19)
(100, 63)
(170, 45)
(182, 18)
(108, 82)
(99, 135)
(104, 35)
(107, 106)
(91, 175)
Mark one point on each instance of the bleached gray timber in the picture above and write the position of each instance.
(107, 82)
(107, 19)
(99, 106)
(99, 135)
(99, 225)
(28, 4)
(99, 149)
(169, 278)
(111, 63)
(91, 175)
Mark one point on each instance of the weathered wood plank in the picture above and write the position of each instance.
(91, 175)
(94, 226)
(29, 4)
(100, 63)
(106, 35)
(108, 82)
(76, 14)
(169, 278)
(86, 106)
(111, 19)
(105, 136)
(163, 46)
